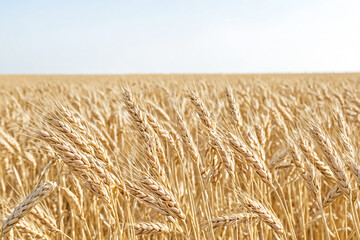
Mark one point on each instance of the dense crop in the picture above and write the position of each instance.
(180, 157)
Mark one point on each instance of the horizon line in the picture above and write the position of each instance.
(176, 73)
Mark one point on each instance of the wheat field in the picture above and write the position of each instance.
(180, 156)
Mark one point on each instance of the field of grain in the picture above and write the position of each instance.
(180, 156)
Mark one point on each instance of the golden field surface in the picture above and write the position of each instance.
(180, 156)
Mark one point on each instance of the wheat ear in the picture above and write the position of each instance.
(142, 228)
(165, 196)
(228, 220)
(255, 207)
(252, 159)
(332, 159)
(234, 112)
(26, 205)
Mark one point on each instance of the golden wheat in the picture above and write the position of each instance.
(180, 157)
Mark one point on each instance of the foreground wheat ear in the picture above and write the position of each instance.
(26, 205)
(142, 228)
(180, 157)
(264, 214)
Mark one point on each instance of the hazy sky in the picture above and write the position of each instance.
(107, 36)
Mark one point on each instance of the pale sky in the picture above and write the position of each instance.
(212, 36)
